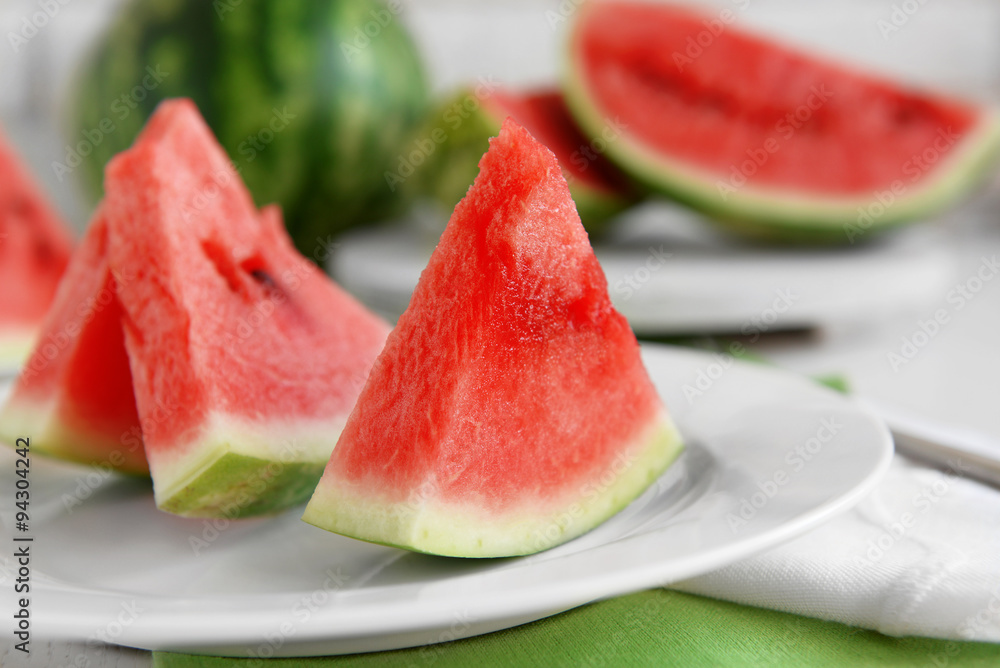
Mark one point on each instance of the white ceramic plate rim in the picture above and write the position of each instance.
(186, 624)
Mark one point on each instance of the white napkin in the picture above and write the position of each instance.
(919, 556)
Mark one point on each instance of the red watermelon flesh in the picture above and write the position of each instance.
(599, 189)
(751, 129)
(545, 115)
(508, 388)
(35, 246)
(246, 359)
(74, 396)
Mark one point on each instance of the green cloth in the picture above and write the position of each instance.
(654, 628)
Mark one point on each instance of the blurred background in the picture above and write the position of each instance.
(852, 308)
(951, 47)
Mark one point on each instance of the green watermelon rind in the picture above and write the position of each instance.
(775, 215)
(447, 531)
(219, 490)
(245, 469)
(450, 172)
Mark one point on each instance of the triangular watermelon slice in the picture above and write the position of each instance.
(246, 359)
(74, 397)
(510, 410)
(35, 246)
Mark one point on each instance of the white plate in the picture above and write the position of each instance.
(113, 567)
(670, 274)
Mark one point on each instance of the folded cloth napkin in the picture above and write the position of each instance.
(919, 556)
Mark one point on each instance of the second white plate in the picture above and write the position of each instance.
(685, 280)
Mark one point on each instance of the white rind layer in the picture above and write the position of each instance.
(16, 345)
(425, 523)
(38, 420)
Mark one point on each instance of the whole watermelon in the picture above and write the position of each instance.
(312, 99)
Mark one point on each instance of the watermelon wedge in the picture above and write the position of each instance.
(510, 410)
(189, 339)
(598, 187)
(74, 394)
(775, 143)
(246, 359)
(35, 245)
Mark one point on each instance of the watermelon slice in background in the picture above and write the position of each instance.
(773, 142)
(599, 189)
(246, 359)
(510, 410)
(35, 245)
(74, 395)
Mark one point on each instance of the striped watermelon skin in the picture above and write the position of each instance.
(311, 110)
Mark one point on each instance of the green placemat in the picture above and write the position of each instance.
(654, 628)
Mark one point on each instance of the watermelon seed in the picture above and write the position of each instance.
(254, 266)
(263, 278)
